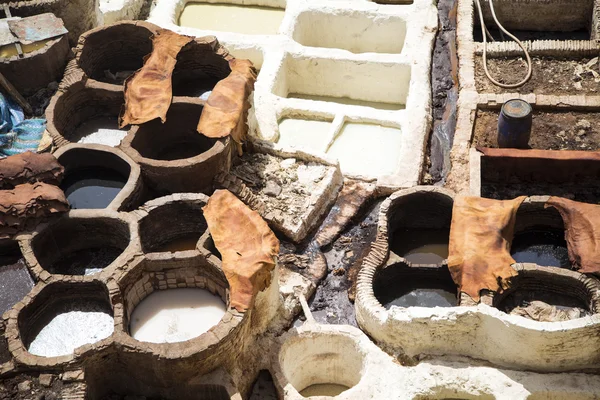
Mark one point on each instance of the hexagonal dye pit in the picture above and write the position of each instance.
(64, 317)
(321, 364)
(238, 18)
(175, 300)
(60, 249)
(86, 115)
(93, 177)
(112, 54)
(182, 141)
(173, 226)
(175, 315)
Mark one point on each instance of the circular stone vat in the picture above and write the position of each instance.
(321, 364)
(173, 225)
(80, 245)
(549, 294)
(539, 236)
(175, 300)
(174, 157)
(402, 285)
(112, 53)
(418, 225)
(83, 114)
(98, 177)
(200, 65)
(65, 316)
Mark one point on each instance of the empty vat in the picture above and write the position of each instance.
(65, 316)
(112, 53)
(367, 149)
(200, 65)
(305, 134)
(238, 18)
(378, 85)
(79, 245)
(173, 225)
(356, 32)
(174, 157)
(81, 114)
(319, 363)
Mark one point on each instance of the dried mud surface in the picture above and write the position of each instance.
(563, 130)
(284, 186)
(332, 303)
(28, 387)
(550, 76)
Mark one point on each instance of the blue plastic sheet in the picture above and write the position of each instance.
(18, 135)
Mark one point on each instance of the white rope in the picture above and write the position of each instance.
(484, 33)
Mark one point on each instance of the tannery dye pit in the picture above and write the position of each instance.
(345, 224)
(92, 187)
(175, 315)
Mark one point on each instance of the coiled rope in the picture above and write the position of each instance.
(485, 32)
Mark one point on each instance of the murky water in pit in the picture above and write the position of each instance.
(545, 248)
(421, 246)
(323, 389)
(182, 243)
(92, 187)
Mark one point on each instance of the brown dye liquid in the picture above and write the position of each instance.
(546, 248)
(15, 282)
(421, 246)
(182, 243)
(85, 262)
(323, 389)
(92, 187)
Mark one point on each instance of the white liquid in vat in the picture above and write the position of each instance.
(304, 133)
(367, 149)
(69, 330)
(175, 315)
(250, 20)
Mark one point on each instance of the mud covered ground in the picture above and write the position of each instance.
(444, 78)
(35, 387)
(555, 130)
(550, 76)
